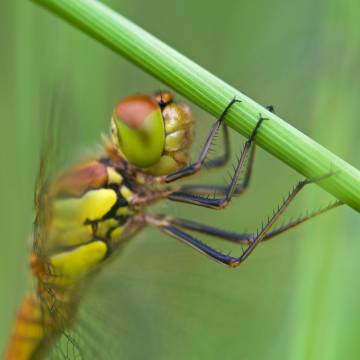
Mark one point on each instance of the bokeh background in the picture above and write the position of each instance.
(297, 297)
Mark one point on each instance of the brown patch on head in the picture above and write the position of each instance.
(163, 98)
(133, 110)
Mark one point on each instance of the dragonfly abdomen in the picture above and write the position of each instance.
(28, 332)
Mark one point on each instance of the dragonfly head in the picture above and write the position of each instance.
(153, 132)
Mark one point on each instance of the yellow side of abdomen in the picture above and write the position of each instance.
(35, 328)
(28, 332)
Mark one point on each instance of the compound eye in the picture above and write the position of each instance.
(138, 130)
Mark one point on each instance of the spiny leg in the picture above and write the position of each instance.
(271, 108)
(220, 203)
(224, 158)
(240, 188)
(246, 238)
(170, 229)
(196, 166)
(219, 189)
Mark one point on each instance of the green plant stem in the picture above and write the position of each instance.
(212, 94)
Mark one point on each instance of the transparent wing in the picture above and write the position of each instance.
(46, 169)
(142, 309)
(56, 152)
(60, 134)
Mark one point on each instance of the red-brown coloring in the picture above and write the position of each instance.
(133, 110)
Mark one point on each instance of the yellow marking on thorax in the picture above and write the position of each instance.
(113, 176)
(93, 205)
(125, 210)
(63, 234)
(104, 226)
(71, 265)
(126, 193)
(116, 234)
(140, 178)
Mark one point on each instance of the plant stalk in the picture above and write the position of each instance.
(212, 94)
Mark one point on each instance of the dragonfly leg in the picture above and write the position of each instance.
(224, 158)
(196, 166)
(233, 188)
(271, 108)
(222, 190)
(246, 238)
(168, 227)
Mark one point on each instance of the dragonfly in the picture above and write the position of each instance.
(85, 215)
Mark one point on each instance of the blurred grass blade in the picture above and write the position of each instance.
(325, 316)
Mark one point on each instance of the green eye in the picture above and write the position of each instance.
(138, 130)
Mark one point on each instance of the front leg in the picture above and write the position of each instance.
(196, 166)
(220, 203)
(241, 187)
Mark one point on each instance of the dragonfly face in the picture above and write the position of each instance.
(85, 214)
(153, 132)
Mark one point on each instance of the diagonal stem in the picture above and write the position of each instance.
(212, 94)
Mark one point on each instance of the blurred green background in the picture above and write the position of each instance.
(297, 297)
